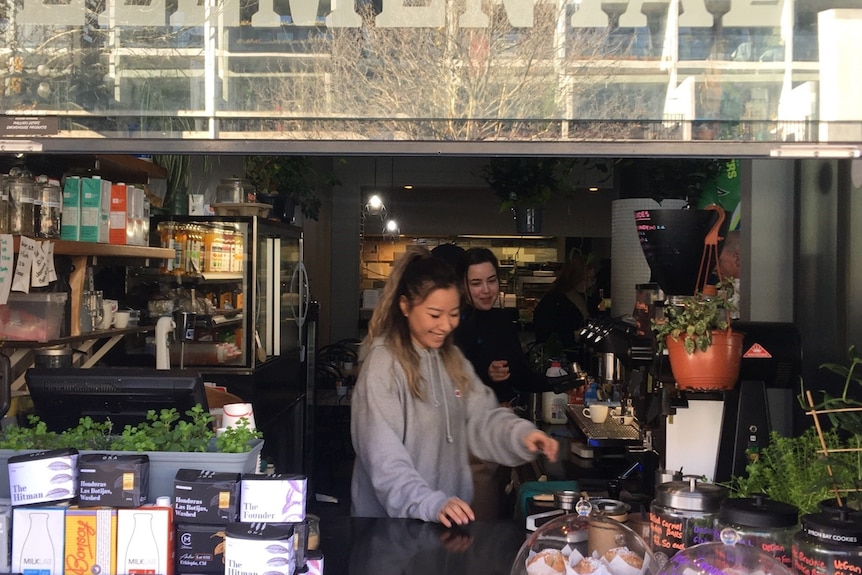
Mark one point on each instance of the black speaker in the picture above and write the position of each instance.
(745, 429)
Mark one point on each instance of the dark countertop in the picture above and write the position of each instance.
(372, 546)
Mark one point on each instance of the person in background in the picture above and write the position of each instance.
(418, 408)
(488, 338)
(564, 309)
(729, 263)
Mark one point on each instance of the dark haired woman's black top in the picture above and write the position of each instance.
(486, 336)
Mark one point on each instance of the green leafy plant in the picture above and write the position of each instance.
(162, 431)
(531, 182)
(294, 177)
(695, 318)
(237, 438)
(165, 431)
(791, 470)
(850, 418)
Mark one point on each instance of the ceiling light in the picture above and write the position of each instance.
(375, 207)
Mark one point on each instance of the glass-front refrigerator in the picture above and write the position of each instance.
(242, 278)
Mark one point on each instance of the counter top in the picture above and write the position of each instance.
(374, 546)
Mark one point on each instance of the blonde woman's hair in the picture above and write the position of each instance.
(414, 277)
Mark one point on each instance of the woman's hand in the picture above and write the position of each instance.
(456, 511)
(543, 443)
(498, 370)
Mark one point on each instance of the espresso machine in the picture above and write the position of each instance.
(713, 433)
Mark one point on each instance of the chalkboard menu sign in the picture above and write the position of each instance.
(672, 242)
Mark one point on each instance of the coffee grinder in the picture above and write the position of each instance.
(712, 433)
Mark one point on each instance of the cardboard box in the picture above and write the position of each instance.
(145, 540)
(91, 541)
(38, 534)
(121, 223)
(71, 219)
(43, 476)
(273, 498)
(202, 496)
(113, 480)
(95, 210)
(259, 548)
(200, 548)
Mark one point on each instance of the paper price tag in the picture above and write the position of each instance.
(39, 269)
(26, 251)
(7, 259)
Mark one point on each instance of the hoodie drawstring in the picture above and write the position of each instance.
(434, 368)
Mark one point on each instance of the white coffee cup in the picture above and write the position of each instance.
(233, 412)
(597, 413)
(121, 319)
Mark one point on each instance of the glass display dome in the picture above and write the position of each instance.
(719, 558)
(584, 545)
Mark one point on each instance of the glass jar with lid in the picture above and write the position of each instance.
(22, 197)
(760, 522)
(234, 191)
(828, 543)
(51, 211)
(684, 513)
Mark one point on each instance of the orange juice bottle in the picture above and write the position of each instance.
(166, 240)
(181, 236)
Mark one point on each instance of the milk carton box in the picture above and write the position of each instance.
(43, 476)
(5, 536)
(91, 541)
(70, 228)
(121, 221)
(37, 540)
(95, 209)
(145, 541)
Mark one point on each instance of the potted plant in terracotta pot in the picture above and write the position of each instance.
(704, 351)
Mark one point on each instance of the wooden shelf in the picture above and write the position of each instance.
(70, 248)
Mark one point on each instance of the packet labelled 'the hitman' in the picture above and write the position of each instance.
(206, 496)
(113, 480)
(259, 548)
(43, 476)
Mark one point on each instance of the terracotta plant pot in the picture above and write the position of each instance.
(716, 369)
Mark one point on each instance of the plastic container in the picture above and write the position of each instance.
(234, 191)
(584, 544)
(32, 317)
(828, 544)
(683, 514)
(554, 404)
(762, 523)
(722, 558)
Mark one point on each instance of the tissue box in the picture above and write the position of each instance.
(91, 541)
(206, 496)
(32, 317)
(200, 548)
(43, 476)
(113, 480)
(273, 498)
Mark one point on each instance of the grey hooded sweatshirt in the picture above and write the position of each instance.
(412, 454)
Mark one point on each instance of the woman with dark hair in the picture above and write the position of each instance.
(563, 311)
(489, 339)
(418, 408)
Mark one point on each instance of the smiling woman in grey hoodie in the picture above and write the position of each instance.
(419, 408)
